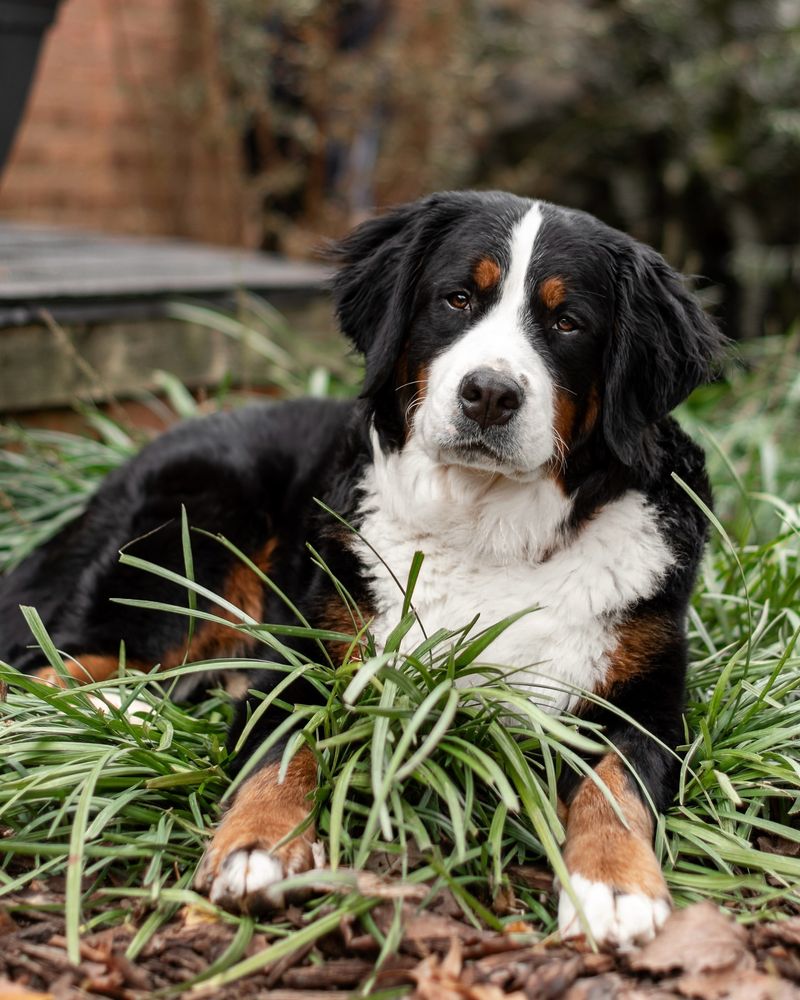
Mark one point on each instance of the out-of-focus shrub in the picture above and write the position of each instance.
(677, 120)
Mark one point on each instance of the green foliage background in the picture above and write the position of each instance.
(676, 120)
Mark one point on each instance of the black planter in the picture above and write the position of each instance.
(22, 27)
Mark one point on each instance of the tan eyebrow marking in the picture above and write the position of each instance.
(486, 274)
(552, 291)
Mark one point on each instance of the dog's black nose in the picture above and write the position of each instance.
(488, 398)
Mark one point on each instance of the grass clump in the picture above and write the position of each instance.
(432, 761)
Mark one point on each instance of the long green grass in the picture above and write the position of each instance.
(448, 782)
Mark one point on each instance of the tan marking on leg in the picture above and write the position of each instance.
(263, 813)
(637, 640)
(600, 848)
(337, 618)
(486, 274)
(552, 292)
(245, 590)
(86, 668)
(242, 588)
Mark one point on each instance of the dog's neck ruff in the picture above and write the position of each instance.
(486, 517)
(495, 547)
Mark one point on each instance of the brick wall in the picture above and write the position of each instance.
(126, 129)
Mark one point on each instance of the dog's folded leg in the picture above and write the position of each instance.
(250, 852)
(85, 668)
(614, 872)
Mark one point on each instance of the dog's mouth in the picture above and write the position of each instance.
(498, 450)
(477, 448)
(479, 453)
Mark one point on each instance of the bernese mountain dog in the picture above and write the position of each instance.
(521, 360)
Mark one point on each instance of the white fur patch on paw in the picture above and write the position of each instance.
(623, 920)
(132, 710)
(246, 882)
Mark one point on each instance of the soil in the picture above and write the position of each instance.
(701, 953)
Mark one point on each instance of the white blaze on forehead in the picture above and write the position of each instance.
(500, 340)
(500, 334)
(523, 238)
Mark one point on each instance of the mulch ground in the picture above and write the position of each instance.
(700, 954)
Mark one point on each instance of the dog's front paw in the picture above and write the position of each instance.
(248, 881)
(622, 920)
(241, 872)
(253, 849)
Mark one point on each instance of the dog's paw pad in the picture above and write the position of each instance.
(246, 880)
(623, 920)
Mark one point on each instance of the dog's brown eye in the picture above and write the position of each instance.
(458, 300)
(565, 325)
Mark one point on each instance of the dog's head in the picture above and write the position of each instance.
(505, 333)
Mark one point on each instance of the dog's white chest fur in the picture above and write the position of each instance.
(493, 547)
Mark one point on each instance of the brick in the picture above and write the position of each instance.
(97, 147)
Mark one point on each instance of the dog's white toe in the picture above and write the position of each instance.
(134, 710)
(623, 920)
(246, 882)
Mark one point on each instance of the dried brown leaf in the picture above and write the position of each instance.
(444, 979)
(427, 930)
(369, 884)
(695, 940)
(519, 927)
(452, 963)
(783, 931)
(505, 902)
(779, 845)
(110, 982)
(533, 877)
(336, 972)
(431, 984)
(599, 988)
(555, 977)
(485, 991)
(735, 984)
(194, 915)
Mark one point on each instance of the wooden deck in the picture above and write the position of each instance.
(87, 315)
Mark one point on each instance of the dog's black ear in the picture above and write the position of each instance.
(379, 263)
(662, 347)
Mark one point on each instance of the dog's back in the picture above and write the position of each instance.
(246, 475)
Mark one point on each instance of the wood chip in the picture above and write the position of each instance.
(337, 972)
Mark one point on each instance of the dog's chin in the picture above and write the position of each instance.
(480, 456)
